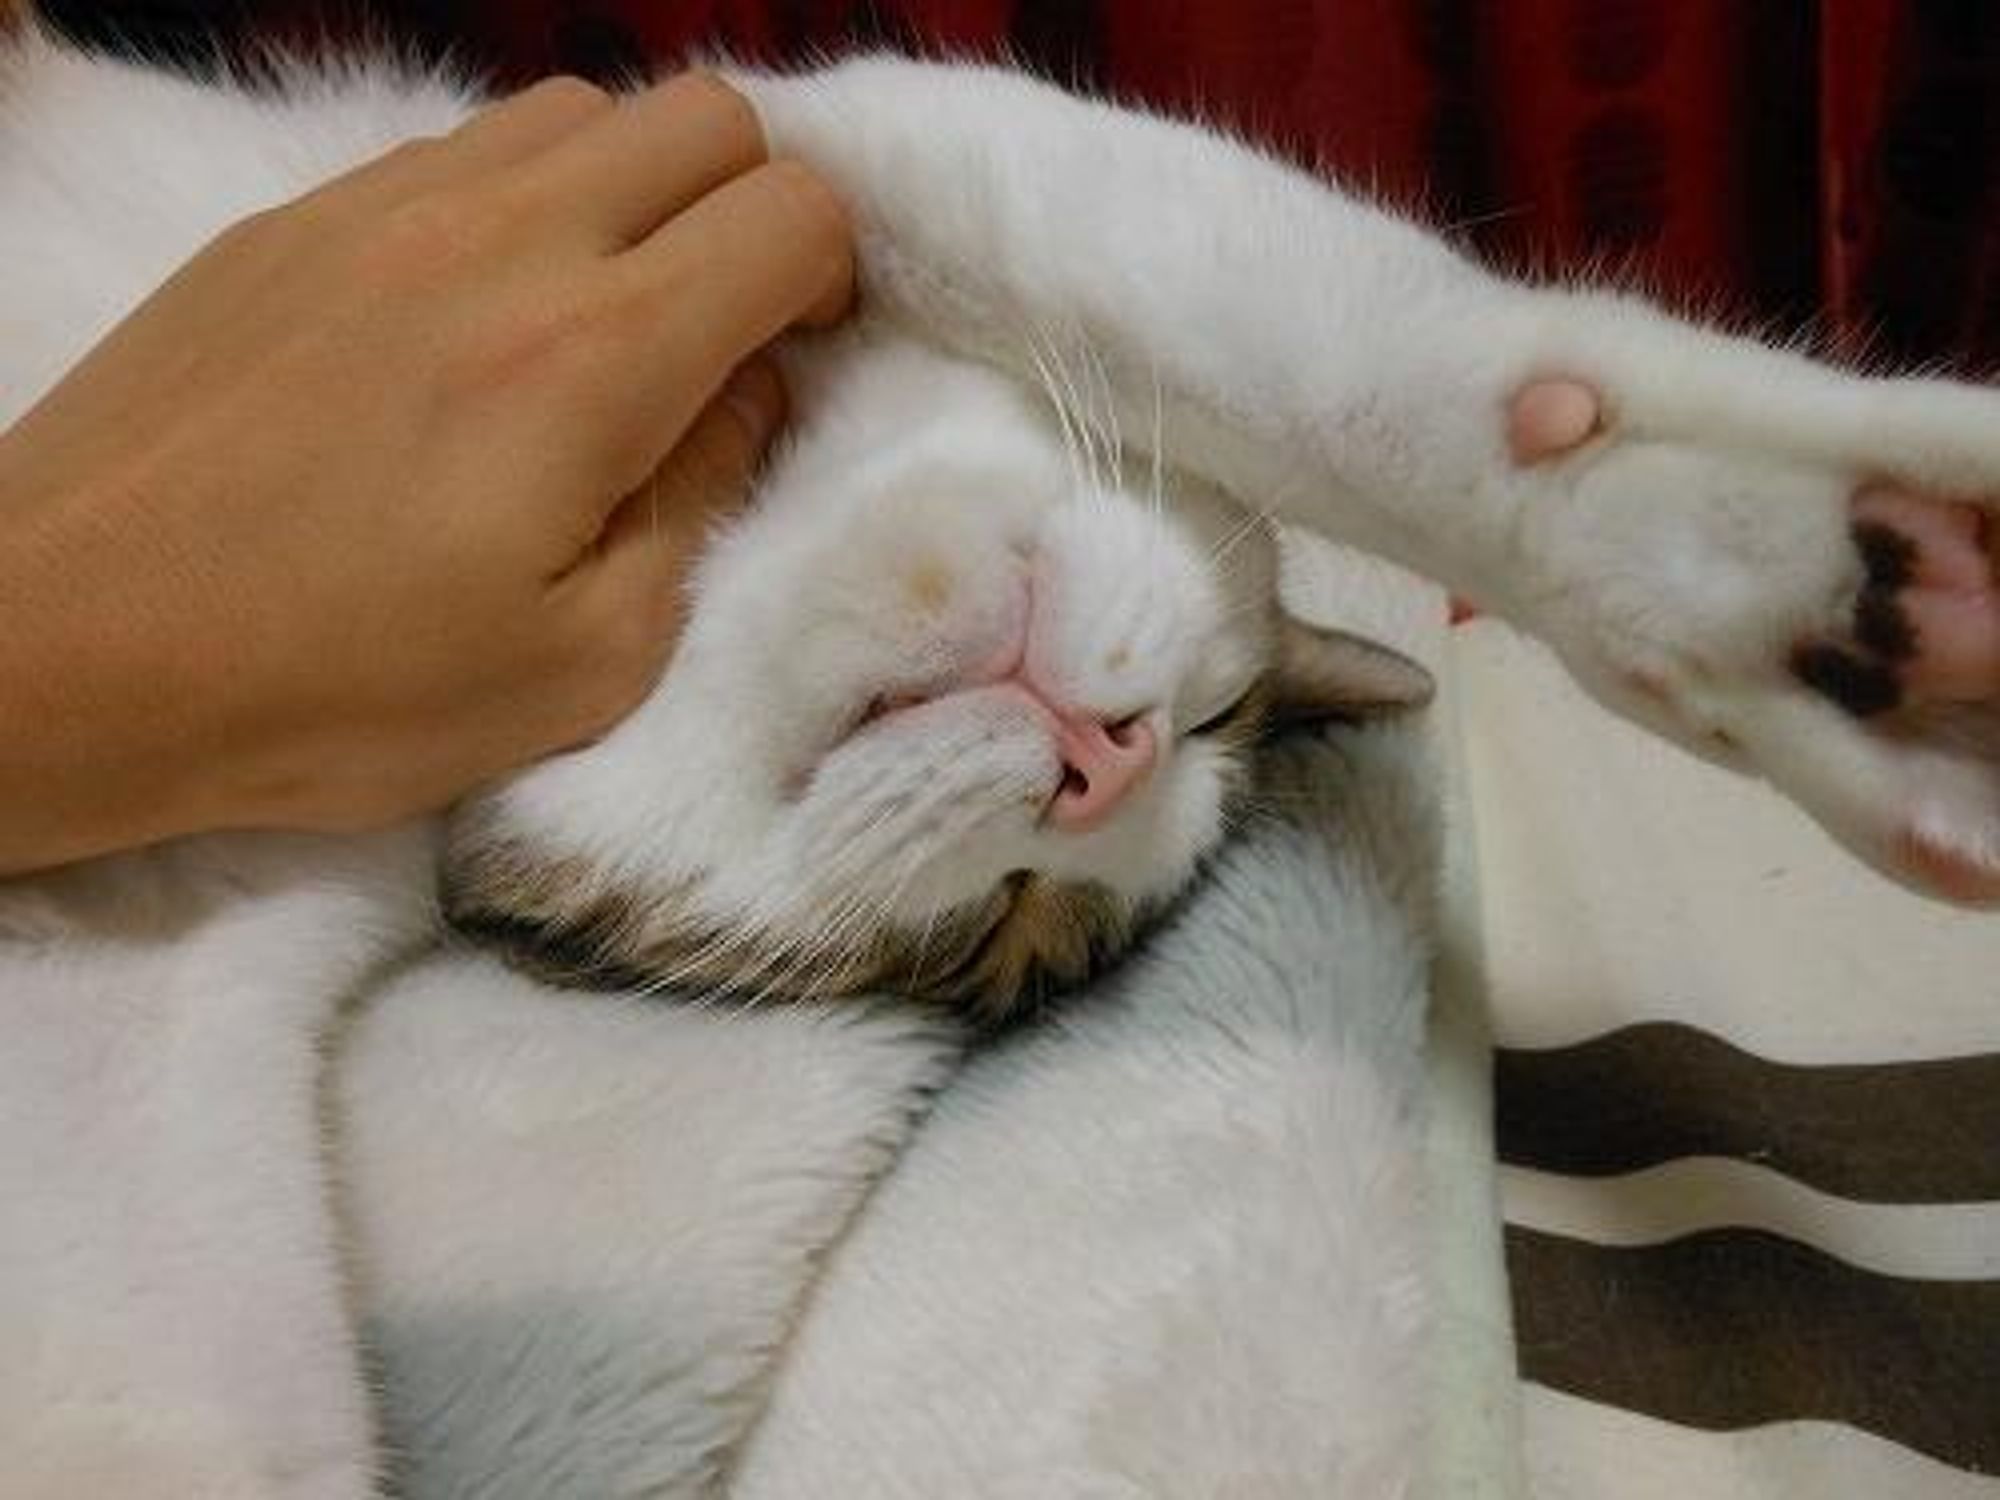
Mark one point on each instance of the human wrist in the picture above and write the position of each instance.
(98, 749)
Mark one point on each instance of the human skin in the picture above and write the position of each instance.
(392, 488)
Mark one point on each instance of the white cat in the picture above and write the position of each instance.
(963, 698)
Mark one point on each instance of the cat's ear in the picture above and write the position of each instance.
(1331, 674)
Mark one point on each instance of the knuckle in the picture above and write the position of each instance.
(529, 341)
(568, 94)
(599, 327)
(244, 235)
(820, 218)
(726, 111)
(627, 315)
(413, 152)
(524, 202)
(430, 235)
(266, 230)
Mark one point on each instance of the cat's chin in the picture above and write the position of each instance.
(1029, 940)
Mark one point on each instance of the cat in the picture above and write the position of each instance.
(961, 701)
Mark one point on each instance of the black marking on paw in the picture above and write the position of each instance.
(1863, 688)
(1888, 555)
(1881, 625)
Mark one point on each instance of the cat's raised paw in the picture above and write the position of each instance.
(1734, 577)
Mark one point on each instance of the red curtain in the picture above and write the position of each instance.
(1823, 163)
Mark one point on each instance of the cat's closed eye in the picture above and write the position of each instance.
(1238, 718)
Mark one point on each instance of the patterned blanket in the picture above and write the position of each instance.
(1748, 1110)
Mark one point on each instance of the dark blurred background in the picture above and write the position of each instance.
(1822, 165)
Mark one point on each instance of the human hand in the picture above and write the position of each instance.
(390, 489)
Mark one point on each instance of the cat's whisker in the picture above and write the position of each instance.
(1070, 399)
(1063, 393)
(924, 945)
(1250, 525)
(1071, 442)
(831, 944)
(1104, 406)
(833, 936)
(915, 863)
(768, 959)
(724, 942)
(831, 947)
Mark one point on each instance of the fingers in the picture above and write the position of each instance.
(611, 168)
(657, 534)
(767, 251)
(530, 122)
(627, 599)
(632, 167)
(494, 139)
(708, 474)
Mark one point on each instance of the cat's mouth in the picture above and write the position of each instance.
(1099, 762)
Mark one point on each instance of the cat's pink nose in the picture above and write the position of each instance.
(1102, 763)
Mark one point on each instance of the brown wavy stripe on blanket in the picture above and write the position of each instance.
(1733, 1328)
(1907, 1132)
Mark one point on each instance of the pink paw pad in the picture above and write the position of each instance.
(1547, 418)
(1926, 626)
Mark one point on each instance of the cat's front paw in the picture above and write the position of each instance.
(1821, 607)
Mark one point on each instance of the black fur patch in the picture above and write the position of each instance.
(1881, 625)
(1863, 688)
(1889, 556)
(547, 951)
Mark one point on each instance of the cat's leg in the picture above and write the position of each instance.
(171, 1298)
(1695, 522)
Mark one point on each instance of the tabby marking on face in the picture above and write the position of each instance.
(1029, 941)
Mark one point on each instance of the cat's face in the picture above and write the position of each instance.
(949, 717)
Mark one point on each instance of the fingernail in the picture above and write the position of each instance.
(756, 393)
